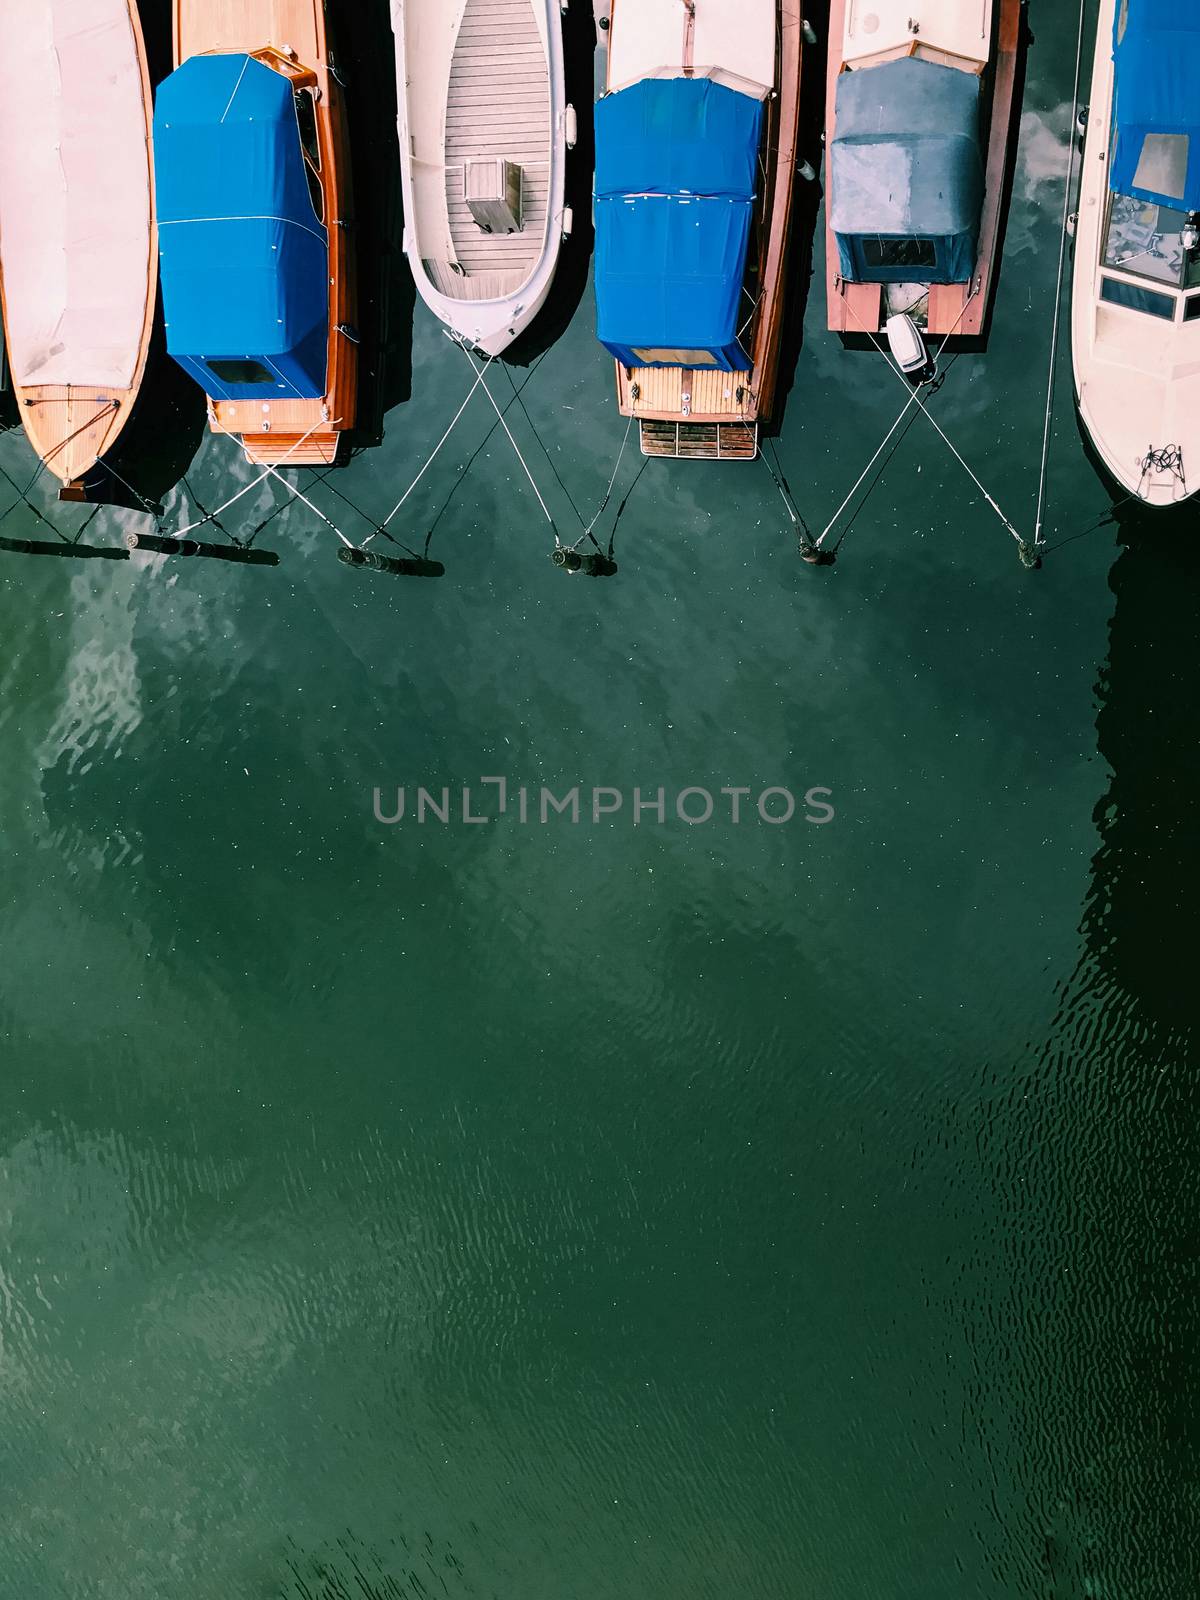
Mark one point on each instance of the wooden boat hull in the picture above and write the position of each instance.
(72, 426)
(957, 310)
(1137, 378)
(479, 79)
(714, 415)
(293, 432)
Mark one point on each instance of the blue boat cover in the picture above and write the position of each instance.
(1156, 112)
(906, 165)
(676, 160)
(245, 259)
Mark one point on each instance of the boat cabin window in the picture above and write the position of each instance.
(241, 371)
(310, 143)
(676, 358)
(1135, 298)
(1148, 240)
(1192, 309)
(899, 252)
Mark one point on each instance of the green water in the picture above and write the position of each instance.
(609, 1211)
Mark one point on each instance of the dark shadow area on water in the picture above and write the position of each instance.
(364, 50)
(1119, 1076)
(806, 212)
(571, 277)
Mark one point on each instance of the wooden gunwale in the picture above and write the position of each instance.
(858, 308)
(283, 26)
(73, 426)
(781, 136)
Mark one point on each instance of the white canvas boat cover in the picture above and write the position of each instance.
(75, 201)
(730, 41)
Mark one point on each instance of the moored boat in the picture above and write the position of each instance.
(77, 249)
(1135, 316)
(484, 129)
(695, 150)
(920, 103)
(252, 161)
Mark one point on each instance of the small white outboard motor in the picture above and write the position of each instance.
(908, 349)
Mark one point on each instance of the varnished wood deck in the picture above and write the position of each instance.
(684, 395)
(71, 427)
(957, 310)
(271, 430)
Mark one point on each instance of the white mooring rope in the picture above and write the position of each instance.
(500, 415)
(233, 499)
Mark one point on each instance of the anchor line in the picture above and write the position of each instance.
(587, 532)
(474, 456)
(432, 457)
(21, 499)
(137, 494)
(1058, 290)
(212, 516)
(933, 421)
(508, 431)
(273, 472)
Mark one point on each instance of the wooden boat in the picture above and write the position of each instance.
(77, 243)
(252, 160)
(695, 146)
(920, 103)
(1135, 312)
(484, 130)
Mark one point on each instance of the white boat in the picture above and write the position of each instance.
(1135, 317)
(484, 131)
(77, 234)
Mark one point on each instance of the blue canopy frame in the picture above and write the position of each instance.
(906, 173)
(1156, 103)
(676, 160)
(244, 257)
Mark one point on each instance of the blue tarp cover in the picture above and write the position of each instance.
(1156, 50)
(245, 260)
(675, 169)
(906, 164)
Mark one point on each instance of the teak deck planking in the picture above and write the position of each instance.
(858, 308)
(72, 427)
(741, 397)
(294, 28)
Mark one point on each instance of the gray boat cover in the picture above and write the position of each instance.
(906, 164)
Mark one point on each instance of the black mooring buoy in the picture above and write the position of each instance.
(162, 545)
(397, 566)
(1029, 554)
(592, 565)
(75, 552)
(812, 554)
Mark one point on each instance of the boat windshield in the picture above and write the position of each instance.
(1153, 241)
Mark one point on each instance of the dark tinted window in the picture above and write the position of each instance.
(1137, 299)
(306, 118)
(241, 372)
(1192, 310)
(899, 253)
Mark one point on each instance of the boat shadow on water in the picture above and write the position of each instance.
(571, 277)
(364, 47)
(806, 212)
